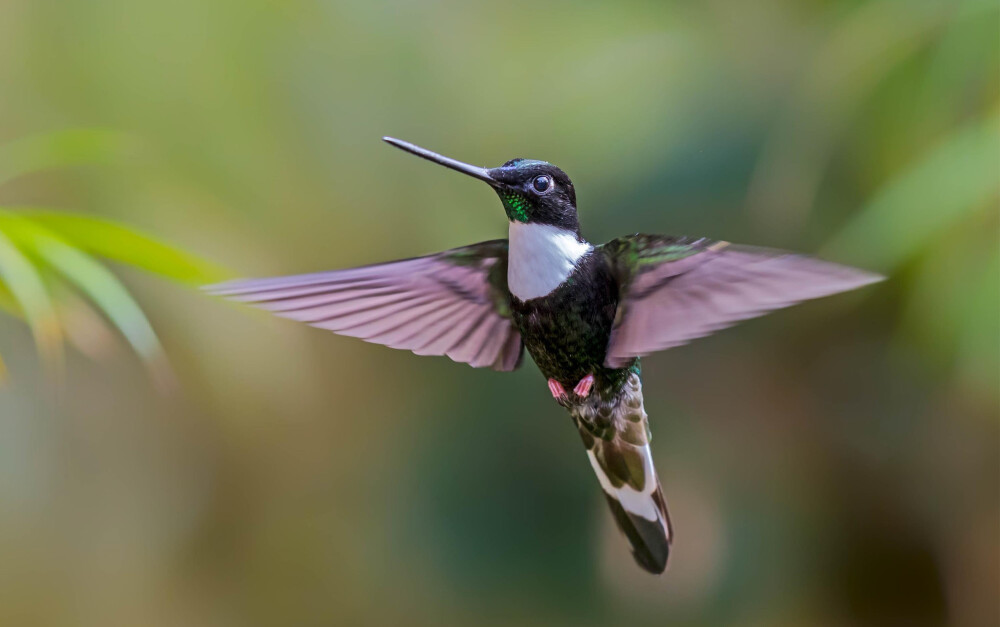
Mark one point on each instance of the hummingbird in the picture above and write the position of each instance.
(585, 313)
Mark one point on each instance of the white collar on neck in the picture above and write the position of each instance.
(541, 257)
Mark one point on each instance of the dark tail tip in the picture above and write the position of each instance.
(648, 538)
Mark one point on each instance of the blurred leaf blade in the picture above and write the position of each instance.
(959, 176)
(97, 283)
(30, 296)
(979, 359)
(58, 149)
(84, 328)
(7, 302)
(854, 59)
(123, 244)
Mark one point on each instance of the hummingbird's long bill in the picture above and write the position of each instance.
(480, 173)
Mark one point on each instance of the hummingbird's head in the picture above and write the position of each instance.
(532, 192)
(536, 192)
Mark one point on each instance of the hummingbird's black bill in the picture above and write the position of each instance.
(474, 171)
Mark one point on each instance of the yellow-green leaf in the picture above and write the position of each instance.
(7, 302)
(27, 289)
(958, 176)
(126, 245)
(93, 280)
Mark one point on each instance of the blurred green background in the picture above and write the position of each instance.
(832, 464)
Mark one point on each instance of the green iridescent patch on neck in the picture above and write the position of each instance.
(516, 205)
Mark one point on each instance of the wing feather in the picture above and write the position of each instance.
(674, 290)
(452, 303)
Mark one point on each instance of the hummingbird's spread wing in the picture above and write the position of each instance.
(675, 289)
(452, 303)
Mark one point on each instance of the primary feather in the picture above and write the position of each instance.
(673, 290)
(451, 303)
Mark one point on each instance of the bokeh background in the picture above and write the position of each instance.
(832, 464)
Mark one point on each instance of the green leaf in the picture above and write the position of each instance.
(958, 177)
(979, 332)
(861, 50)
(58, 150)
(93, 280)
(7, 302)
(125, 245)
(31, 298)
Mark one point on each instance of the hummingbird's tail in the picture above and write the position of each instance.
(616, 435)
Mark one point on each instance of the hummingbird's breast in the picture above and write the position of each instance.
(566, 331)
(541, 258)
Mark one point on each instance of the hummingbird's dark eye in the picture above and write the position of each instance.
(542, 183)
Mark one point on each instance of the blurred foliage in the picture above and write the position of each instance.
(47, 258)
(837, 463)
(939, 216)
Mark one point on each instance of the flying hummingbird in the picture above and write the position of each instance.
(585, 313)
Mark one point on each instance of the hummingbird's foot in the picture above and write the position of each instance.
(582, 388)
(557, 389)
